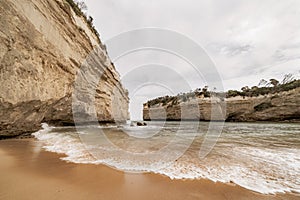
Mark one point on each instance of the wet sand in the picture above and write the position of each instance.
(28, 172)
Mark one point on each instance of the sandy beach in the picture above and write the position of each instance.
(203, 96)
(29, 172)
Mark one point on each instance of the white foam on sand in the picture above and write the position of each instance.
(262, 170)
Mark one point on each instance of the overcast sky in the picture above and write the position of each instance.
(247, 40)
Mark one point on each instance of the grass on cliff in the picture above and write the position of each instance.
(244, 92)
(89, 20)
(256, 91)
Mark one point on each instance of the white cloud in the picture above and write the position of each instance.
(247, 39)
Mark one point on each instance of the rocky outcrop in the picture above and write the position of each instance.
(42, 46)
(283, 106)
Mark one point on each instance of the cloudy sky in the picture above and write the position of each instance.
(246, 39)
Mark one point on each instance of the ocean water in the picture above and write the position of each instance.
(263, 157)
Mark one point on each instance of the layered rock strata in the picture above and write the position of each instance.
(283, 106)
(42, 47)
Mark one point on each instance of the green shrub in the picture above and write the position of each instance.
(247, 92)
(79, 13)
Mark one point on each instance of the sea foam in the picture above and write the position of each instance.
(264, 170)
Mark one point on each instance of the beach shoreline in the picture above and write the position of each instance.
(27, 171)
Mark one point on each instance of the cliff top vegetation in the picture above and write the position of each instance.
(264, 88)
(80, 8)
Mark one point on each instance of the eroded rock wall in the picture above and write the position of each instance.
(42, 46)
(283, 106)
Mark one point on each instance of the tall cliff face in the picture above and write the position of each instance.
(42, 46)
(273, 107)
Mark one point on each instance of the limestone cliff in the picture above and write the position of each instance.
(283, 106)
(42, 45)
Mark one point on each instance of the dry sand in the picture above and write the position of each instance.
(28, 172)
